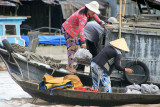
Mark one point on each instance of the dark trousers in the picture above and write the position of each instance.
(92, 47)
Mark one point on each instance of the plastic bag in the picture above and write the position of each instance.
(149, 89)
(83, 56)
(133, 89)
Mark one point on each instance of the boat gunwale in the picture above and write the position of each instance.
(75, 95)
(19, 79)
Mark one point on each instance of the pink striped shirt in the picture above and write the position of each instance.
(76, 22)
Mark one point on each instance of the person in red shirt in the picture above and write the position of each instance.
(73, 27)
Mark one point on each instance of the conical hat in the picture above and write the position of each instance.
(120, 44)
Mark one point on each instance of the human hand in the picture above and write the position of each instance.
(103, 25)
(84, 45)
(128, 70)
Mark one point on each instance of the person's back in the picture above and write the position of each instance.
(93, 31)
(105, 55)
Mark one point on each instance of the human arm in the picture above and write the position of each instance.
(117, 61)
(118, 66)
(82, 20)
(97, 19)
(128, 70)
(83, 42)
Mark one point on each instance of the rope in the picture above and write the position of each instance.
(18, 48)
(28, 69)
(18, 66)
(34, 100)
(33, 56)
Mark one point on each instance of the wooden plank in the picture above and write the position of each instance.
(145, 26)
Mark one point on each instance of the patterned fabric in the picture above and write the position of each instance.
(71, 47)
(50, 83)
(76, 22)
(92, 47)
(97, 75)
(106, 54)
(67, 82)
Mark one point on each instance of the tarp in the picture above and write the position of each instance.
(47, 39)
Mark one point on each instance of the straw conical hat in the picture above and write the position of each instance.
(120, 44)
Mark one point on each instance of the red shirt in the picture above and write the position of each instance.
(76, 22)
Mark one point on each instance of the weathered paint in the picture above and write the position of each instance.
(6, 20)
(144, 47)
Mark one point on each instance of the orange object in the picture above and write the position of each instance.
(85, 89)
(3, 69)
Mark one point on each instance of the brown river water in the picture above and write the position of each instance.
(12, 95)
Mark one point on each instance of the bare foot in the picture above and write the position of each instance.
(71, 69)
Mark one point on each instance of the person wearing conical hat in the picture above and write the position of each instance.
(93, 34)
(102, 65)
(72, 28)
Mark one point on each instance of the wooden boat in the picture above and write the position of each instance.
(28, 74)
